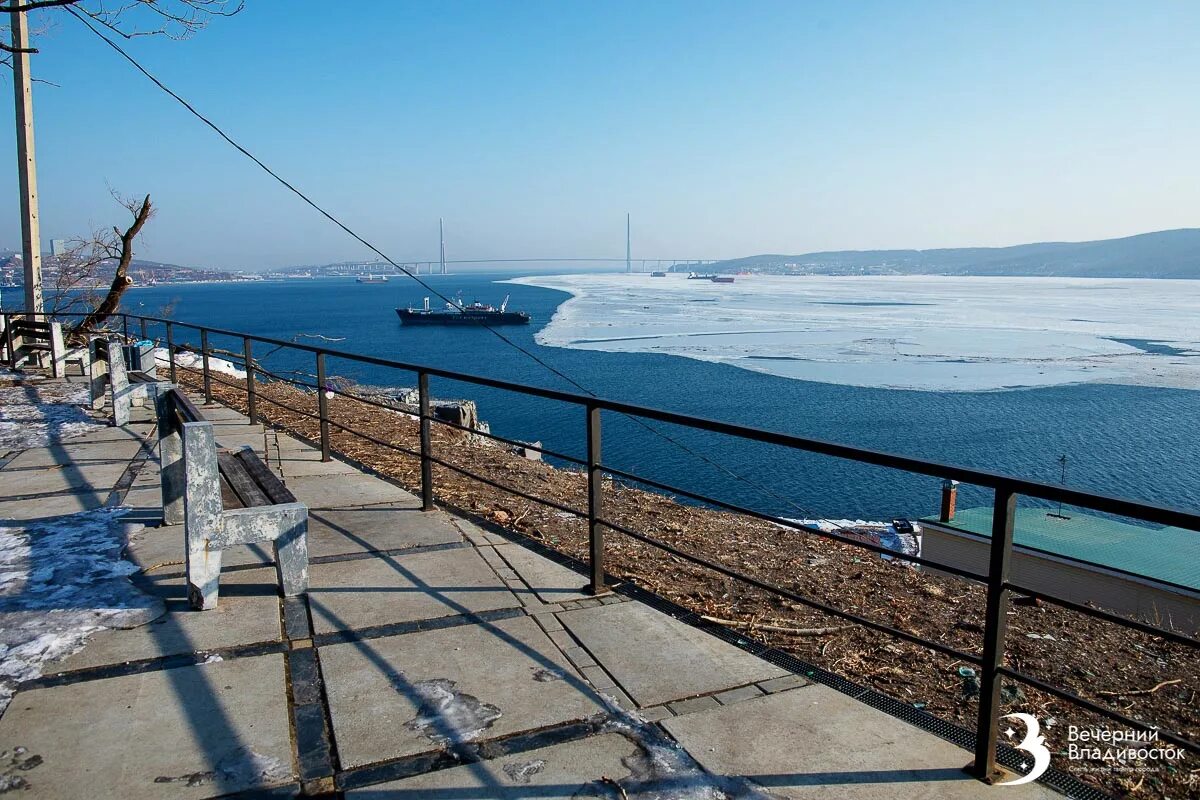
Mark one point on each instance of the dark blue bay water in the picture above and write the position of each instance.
(1131, 441)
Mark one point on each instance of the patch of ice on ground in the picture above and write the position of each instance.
(931, 333)
(37, 415)
(61, 580)
(196, 361)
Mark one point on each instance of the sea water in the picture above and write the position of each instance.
(1124, 437)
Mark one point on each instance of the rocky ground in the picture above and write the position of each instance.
(1139, 675)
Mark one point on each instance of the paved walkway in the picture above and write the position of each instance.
(431, 659)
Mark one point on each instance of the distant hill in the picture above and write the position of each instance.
(1165, 254)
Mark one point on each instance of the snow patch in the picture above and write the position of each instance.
(43, 414)
(61, 580)
(448, 716)
(196, 361)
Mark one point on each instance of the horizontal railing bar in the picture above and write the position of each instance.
(372, 439)
(512, 442)
(787, 523)
(846, 615)
(1113, 505)
(1117, 716)
(550, 503)
(1152, 630)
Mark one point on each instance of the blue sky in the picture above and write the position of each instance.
(725, 128)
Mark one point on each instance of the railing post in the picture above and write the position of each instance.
(994, 630)
(125, 326)
(595, 481)
(426, 442)
(8, 339)
(204, 361)
(171, 350)
(249, 364)
(142, 322)
(323, 407)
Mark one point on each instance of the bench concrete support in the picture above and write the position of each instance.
(170, 459)
(209, 528)
(107, 370)
(24, 342)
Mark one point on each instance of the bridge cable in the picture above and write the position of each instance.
(290, 187)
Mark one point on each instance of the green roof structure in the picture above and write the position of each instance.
(1169, 555)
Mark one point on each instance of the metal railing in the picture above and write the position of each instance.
(1005, 490)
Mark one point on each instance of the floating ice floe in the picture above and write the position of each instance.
(41, 414)
(61, 580)
(932, 333)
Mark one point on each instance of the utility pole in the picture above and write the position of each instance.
(442, 244)
(628, 246)
(31, 241)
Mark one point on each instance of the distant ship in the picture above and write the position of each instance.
(474, 314)
(696, 276)
(372, 279)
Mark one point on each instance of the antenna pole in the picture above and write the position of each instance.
(628, 246)
(442, 244)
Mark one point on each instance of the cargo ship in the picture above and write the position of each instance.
(372, 279)
(474, 314)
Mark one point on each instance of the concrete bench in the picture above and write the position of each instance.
(109, 376)
(224, 498)
(28, 340)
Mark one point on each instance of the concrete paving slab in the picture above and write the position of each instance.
(360, 530)
(293, 467)
(67, 478)
(347, 491)
(83, 453)
(52, 505)
(114, 434)
(550, 581)
(247, 613)
(217, 412)
(382, 590)
(401, 695)
(189, 732)
(560, 772)
(657, 659)
(816, 742)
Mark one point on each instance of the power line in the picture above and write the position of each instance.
(290, 187)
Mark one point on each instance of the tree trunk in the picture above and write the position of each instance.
(121, 280)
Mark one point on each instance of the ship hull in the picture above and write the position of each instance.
(417, 317)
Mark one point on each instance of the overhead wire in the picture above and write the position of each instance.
(416, 277)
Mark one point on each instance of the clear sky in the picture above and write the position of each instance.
(725, 128)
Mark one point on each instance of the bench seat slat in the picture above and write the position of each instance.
(266, 480)
(233, 469)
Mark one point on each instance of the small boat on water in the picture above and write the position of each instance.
(474, 314)
(372, 279)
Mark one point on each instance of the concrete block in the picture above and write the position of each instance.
(683, 661)
(387, 589)
(579, 656)
(738, 695)
(821, 743)
(597, 677)
(695, 704)
(655, 713)
(552, 582)
(400, 695)
(193, 731)
(346, 491)
(782, 684)
(561, 772)
(337, 532)
(247, 614)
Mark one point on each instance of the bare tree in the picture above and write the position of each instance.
(174, 19)
(88, 260)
